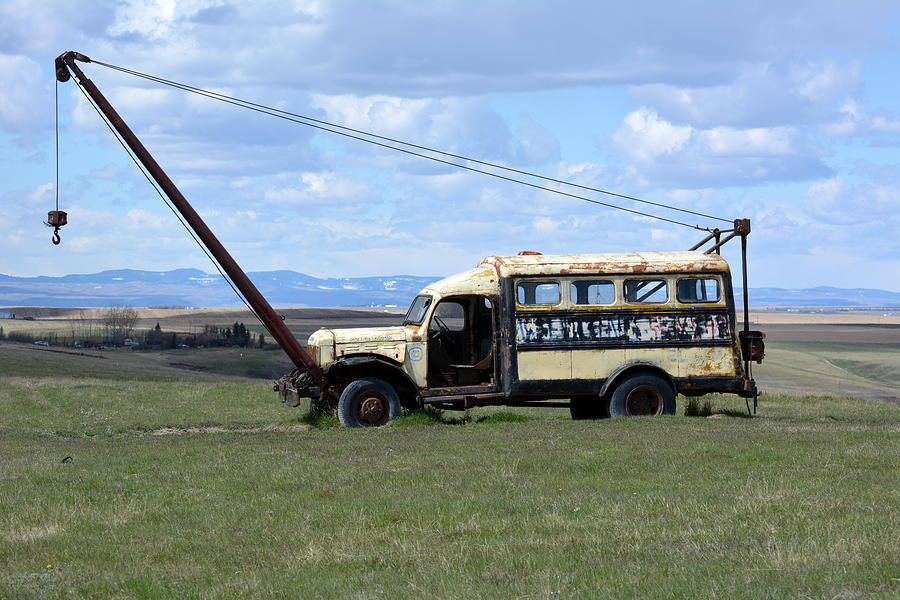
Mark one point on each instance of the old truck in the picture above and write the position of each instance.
(604, 334)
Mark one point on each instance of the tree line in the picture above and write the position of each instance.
(117, 326)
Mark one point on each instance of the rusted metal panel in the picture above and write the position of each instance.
(613, 263)
(481, 280)
(752, 345)
(712, 361)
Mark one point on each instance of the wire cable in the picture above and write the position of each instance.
(326, 126)
(56, 124)
(171, 208)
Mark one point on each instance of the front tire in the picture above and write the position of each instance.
(642, 395)
(368, 402)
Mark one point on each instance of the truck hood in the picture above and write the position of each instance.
(327, 345)
(368, 334)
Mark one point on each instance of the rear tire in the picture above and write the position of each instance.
(368, 402)
(642, 395)
(587, 408)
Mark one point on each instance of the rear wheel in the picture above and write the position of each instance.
(642, 395)
(368, 402)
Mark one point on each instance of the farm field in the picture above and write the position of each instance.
(855, 359)
(187, 478)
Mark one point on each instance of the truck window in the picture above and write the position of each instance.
(593, 292)
(698, 289)
(646, 291)
(448, 315)
(417, 310)
(537, 293)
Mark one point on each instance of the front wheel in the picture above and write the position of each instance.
(642, 395)
(368, 402)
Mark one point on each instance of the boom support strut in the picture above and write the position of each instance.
(65, 63)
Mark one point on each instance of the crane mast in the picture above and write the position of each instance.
(67, 67)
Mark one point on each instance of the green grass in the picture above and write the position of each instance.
(799, 501)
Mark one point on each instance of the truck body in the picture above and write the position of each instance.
(553, 329)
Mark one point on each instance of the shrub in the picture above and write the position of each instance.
(20, 336)
(695, 409)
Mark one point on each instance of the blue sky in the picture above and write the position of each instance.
(784, 113)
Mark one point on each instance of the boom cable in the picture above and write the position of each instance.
(342, 131)
(170, 207)
(56, 125)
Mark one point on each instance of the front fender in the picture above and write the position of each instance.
(349, 368)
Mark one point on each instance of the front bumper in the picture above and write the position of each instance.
(295, 386)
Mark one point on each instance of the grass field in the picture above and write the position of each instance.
(178, 474)
(855, 360)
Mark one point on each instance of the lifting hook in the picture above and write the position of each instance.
(56, 219)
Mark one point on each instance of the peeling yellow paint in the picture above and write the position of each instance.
(545, 364)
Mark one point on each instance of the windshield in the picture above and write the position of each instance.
(417, 310)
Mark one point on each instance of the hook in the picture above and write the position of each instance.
(56, 239)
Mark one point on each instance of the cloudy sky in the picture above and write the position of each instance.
(782, 112)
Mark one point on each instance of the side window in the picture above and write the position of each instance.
(448, 315)
(593, 292)
(646, 291)
(698, 289)
(530, 293)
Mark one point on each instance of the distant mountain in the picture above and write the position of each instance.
(822, 296)
(192, 287)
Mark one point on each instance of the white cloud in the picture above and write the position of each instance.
(833, 201)
(42, 195)
(644, 136)
(23, 98)
(458, 125)
(760, 94)
(546, 225)
(854, 120)
(727, 141)
(152, 19)
(321, 189)
(668, 155)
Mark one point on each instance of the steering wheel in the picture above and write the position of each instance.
(443, 331)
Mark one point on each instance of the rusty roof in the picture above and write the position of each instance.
(613, 263)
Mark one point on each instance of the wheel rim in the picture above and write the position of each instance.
(644, 400)
(372, 410)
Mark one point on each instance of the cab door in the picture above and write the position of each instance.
(461, 344)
